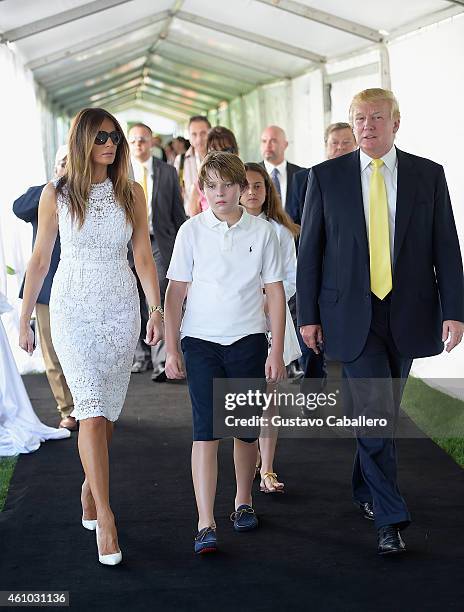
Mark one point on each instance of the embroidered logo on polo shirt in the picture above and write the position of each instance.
(251, 249)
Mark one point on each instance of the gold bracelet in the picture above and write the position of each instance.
(153, 309)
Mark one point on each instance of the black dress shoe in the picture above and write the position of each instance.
(389, 541)
(367, 510)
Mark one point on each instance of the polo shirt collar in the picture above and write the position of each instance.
(389, 159)
(212, 221)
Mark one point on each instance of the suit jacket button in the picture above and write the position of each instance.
(367, 295)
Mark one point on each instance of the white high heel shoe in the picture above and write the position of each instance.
(90, 525)
(112, 559)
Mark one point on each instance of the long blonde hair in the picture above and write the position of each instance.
(78, 176)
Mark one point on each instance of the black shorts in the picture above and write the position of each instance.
(205, 361)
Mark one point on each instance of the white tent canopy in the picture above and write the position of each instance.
(245, 64)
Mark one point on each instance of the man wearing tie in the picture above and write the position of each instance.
(379, 283)
(165, 212)
(273, 146)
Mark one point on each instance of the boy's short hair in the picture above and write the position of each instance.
(226, 165)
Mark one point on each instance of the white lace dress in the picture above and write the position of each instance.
(94, 305)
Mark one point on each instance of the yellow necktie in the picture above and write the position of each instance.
(379, 234)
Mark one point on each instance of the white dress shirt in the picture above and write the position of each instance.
(226, 268)
(138, 176)
(389, 171)
(282, 168)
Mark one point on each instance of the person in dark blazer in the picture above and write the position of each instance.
(379, 283)
(26, 208)
(273, 146)
(166, 214)
(338, 140)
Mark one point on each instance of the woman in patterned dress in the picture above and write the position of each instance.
(94, 305)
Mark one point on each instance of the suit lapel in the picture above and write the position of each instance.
(289, 182)
(353, 190)
(156, 177)
(405, 195)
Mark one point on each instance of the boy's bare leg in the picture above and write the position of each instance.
(245, 454)
(204, 475)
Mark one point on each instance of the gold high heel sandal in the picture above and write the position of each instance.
(272, 477)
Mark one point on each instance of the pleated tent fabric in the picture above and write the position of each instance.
(21, 431)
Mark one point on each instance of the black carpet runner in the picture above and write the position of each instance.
(313, 550)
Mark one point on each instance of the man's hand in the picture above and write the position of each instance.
(312, 336)
(452, 332)
(155, 329)
(275, 368)
(26, 338)
(174, 367)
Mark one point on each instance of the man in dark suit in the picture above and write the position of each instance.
(338, 140)
(273, 145)
(165, 212)
(26, 208)
(379, 282)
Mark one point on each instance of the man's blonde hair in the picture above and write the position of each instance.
(374, 95)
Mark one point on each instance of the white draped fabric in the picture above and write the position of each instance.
(20, 429)
(22, 164)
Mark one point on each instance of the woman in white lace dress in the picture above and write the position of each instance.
(94, 305)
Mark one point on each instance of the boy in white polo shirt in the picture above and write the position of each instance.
(222, 258)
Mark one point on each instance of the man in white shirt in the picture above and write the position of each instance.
(222, 259)
(187, 166)
(165, 214)
(379, 283)
(273, 145)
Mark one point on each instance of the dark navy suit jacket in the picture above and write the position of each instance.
(295, 203)
(167, 209)
(26, 208)
(291, 170)
(333, 278)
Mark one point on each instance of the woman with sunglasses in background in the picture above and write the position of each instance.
(94, 304)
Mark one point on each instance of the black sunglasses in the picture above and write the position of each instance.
(102, 137)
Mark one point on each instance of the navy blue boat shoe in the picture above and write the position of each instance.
(244, 518)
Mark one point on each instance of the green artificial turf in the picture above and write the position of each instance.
(439, 415)
(7, 465)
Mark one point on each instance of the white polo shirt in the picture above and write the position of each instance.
(226, 268)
